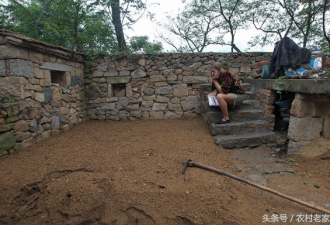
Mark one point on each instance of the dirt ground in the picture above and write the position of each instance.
(105, 172)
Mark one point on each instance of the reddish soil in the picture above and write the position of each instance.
(131, 173)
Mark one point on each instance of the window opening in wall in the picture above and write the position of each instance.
(58, 78)
(194, 89)
(119, 90)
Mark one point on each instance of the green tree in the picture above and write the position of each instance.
(141, 44)
(68, 23)
(194, 28)
(298, 19)
(271, 19)
(122, 14)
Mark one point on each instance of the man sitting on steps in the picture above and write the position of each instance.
(226, 89)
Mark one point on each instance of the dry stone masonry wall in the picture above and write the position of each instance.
(156, 87)
(53, 89)
(47, 95)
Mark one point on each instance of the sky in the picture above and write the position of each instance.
(161, 8)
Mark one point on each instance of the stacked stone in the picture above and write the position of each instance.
(310, 114)
(41, 110)
(155, 87)
(267, 99)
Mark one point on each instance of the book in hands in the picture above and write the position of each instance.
(213, 101)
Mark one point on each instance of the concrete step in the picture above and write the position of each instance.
(247, 140)
(240, 128)
(235, 115)
(247, 87)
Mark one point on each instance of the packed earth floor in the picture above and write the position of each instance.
(106, 172)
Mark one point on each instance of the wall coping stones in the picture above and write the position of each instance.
(311, 86)
(56, 67)
(119, 80)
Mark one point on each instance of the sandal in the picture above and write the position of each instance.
(222, 122)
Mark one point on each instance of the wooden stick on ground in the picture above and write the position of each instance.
(196, 164)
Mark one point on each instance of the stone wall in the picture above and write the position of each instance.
(54, 89)
(310, 120)
(166, 86)
(47, 91)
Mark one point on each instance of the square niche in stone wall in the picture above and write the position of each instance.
(59, 78)
(194, 89)
(119, 90)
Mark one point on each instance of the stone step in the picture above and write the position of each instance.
(246, 140)
(247, 87)
(240, 128)
(235, 115)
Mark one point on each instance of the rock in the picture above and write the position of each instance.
(64, 110)
(111, 74)
(56, 67)
(12, 119)
(20, 126)
(136, 114)
(46, 126)
(304, 129)
(93, 87)
(134, 107)
(108, 106)
(166, 90)
(74, 81)
(189, 115)
(90, 94)
(172, 77)
(28, 142)
(40, 97)
(119, 80)
(138, 74)
(160, 98)
(157, 78)
(174, 107)
(122, 101)
(7, 141)
(157, 115)
(15, 88)
(190, 102)
(2, 68)
(6, 127)
(29, 113)
(142, 62)
(124, 73)
(33, 126)
(57, 94)
(180, 90)
(21, 68)
(149, 91)
(171, 115)
(102, 67)
(12, 109)
(23, 136)
(55, 124)
(147, 104)
(48, 94)
(159, 106)
(44, 136)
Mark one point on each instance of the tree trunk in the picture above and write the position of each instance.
(116, 20)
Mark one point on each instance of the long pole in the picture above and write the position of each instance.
(196, 164)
